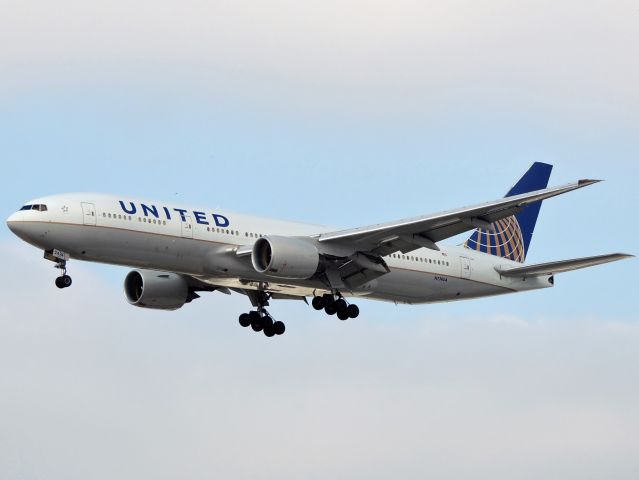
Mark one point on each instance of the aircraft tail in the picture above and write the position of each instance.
(511, 237)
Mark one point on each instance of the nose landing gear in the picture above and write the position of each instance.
(64, 280)
(60, 258)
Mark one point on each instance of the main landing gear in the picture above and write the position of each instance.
(339, 306)
(261, 321)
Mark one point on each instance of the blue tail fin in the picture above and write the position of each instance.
(510, 237)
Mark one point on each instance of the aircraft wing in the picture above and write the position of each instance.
(425, 231)
(552, 268)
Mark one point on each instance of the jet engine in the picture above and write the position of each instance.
(157, 290)
(285, 257)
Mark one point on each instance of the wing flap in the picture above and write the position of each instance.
(561, 266)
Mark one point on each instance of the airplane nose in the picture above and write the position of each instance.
(13, 222)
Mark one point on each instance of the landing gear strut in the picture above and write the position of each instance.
(339, 306)
(260, 320)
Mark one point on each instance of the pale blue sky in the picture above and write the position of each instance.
(344, 113)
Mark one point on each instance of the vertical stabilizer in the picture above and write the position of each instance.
(511, 237)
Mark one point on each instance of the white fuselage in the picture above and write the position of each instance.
(203, 243)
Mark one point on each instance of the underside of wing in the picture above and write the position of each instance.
(552, 268)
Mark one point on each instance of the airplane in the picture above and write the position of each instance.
(178, 251)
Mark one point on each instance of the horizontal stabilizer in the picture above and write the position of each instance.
(552, 268)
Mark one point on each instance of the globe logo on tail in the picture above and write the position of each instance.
(505, 240)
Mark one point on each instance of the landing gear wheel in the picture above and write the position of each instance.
(63, 281)
(318, 303)
(256, 321)
(328, 300)
(279, 328)
(269, 331)
(330, 309)
(245, 319)
(341, 305)
(257, 327)
(342, 315)
(267, 321)
(352, 311)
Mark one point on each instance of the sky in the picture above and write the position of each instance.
(342, 113)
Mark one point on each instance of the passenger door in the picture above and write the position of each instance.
(88, 213)
(466, 269)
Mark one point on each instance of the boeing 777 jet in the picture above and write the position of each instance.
(178, 251)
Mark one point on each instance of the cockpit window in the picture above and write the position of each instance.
(39, 207)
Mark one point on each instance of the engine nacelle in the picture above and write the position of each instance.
(158, 290)
(285, 257)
